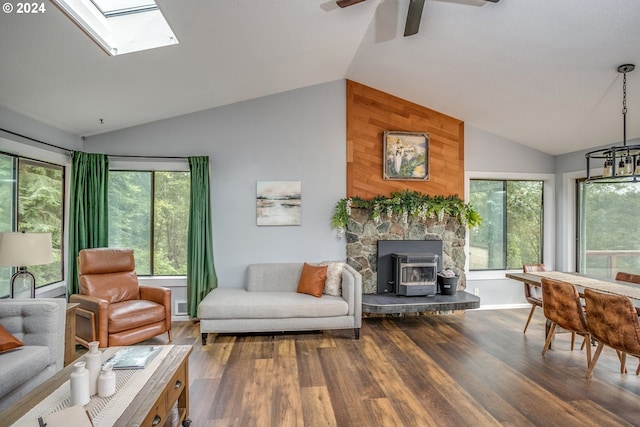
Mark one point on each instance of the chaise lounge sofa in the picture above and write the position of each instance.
(270, 303)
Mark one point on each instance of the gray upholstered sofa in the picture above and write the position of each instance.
(270, 303)
(39, 323)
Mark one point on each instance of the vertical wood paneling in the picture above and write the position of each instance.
(371, 112)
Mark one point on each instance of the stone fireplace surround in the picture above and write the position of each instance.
(363, 233)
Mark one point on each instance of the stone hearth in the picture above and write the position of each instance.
(363, 234)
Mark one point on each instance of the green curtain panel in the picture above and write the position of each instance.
(201, 274)
(88, 219)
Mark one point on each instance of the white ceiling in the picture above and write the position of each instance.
(541, 73)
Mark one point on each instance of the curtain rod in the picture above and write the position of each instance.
(147, 157)
(37, 140)
(71, 151)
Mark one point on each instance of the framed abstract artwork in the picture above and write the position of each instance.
(278, 203)
(406, 156)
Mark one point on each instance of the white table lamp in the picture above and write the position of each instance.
(22, 250)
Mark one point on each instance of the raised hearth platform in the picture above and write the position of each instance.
(396, 304)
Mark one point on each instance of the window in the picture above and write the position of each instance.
(120, 26)
(149, 212)
(608, 238)
(110, 8)
(32, 200)
(511, 233)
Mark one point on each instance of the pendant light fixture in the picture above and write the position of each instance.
(620, 163)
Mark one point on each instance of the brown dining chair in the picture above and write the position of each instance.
(613, 321)
(630, 278)
(532, 294)
(562, 307)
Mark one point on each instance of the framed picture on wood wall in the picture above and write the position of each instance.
(406, 156)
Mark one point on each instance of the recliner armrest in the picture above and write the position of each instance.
(100, 309)
(161, 296)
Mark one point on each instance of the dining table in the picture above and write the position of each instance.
(582, 282)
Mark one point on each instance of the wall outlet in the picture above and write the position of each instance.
(476, 291)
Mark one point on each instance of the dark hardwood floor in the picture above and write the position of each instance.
(466, 369)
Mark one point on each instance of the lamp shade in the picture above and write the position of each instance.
(24, 249)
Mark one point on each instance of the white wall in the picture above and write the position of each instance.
(293, 136)
(21, 125)
(489, 156)
(486, 152)
(297, 135)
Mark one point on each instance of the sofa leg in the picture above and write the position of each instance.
(356, 332)
(204, 338)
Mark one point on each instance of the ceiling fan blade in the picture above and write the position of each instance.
(493, 1)
(414, 15)
(346, 3)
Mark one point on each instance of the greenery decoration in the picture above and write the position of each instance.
(405, 203)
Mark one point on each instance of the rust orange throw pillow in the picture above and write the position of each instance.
(8, 341)
(312, 280)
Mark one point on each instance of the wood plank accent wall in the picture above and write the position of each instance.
(369, 113)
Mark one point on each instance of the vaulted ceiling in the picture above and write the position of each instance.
(540, 73)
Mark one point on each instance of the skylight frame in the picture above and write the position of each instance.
(124, 7)
(123, 32)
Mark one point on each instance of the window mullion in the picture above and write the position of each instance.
(505, 228)
(153, 223)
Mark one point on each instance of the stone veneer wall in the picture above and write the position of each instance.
(363, 234)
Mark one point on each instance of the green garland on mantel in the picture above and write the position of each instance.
(407, 203)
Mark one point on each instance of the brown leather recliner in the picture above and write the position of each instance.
(114, 309)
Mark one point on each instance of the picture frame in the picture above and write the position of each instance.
(278, 203)
(406, 156)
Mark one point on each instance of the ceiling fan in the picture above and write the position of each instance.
(414, 15)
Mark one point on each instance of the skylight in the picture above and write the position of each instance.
(120, 26)
(111, 8)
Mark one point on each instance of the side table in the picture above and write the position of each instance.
(70, 333)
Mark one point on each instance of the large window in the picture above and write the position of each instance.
(511, 233)
(32, 200)
(149, 212)
(608, 234)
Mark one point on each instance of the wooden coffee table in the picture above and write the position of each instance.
(168, 385)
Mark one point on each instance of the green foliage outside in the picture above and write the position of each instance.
(607, 214)
(512, 228)
(138, 200)
(34, 190)
(172, 191)
(40, 210)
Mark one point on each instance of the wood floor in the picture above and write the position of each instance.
(469, 369)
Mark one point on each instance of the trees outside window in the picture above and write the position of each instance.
(149, 212)
(511, 232)
(608, 234)
(32, 200)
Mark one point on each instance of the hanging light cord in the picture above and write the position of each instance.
(621, 162)
(624, 109)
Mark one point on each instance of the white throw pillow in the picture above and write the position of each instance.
(333, 282)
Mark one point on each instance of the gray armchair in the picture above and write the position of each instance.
(40, 324)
